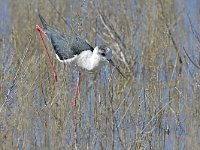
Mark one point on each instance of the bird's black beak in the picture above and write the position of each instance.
(113, 64)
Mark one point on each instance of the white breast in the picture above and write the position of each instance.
(89, 60)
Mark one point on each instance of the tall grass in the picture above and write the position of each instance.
(156, 44)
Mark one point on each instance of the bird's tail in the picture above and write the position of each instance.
(44, 23)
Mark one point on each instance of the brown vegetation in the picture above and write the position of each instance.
(155, 43)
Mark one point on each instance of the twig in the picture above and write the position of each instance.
(170, 33)
(190, 59)
(113, 34)
(16, 75)
(155, 116)
(196, 34)
(65, 21)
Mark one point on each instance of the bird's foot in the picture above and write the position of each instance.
(39, 29)
(74, 103)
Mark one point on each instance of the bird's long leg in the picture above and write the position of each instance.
(76, 91)
(74, 109)
(40, 32)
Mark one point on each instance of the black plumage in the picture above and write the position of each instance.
(65, 46)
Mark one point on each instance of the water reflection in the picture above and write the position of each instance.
(147, 109)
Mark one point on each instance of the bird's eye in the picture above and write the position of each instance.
(103, 54)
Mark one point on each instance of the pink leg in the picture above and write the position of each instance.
(76, 92)
(40, 31)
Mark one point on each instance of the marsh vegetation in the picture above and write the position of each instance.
(155, 43)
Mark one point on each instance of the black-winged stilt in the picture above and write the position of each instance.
(73, 49)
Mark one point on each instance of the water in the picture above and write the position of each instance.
(139, 114)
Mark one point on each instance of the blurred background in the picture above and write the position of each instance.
(155, 43)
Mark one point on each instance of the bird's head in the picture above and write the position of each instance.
(106, 54)
(103, 51)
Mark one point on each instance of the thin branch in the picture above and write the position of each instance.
(197, 66)
(170, 32)
(113, 34)
(16, 75)
(151, 120)
(196, 34)
(57, 11)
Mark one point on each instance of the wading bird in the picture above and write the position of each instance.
(74, 50)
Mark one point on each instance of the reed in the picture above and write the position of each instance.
(155, 43)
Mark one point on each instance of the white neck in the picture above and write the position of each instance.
(90, 60)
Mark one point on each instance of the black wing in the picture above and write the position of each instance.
(65, 46)
(68, 46)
